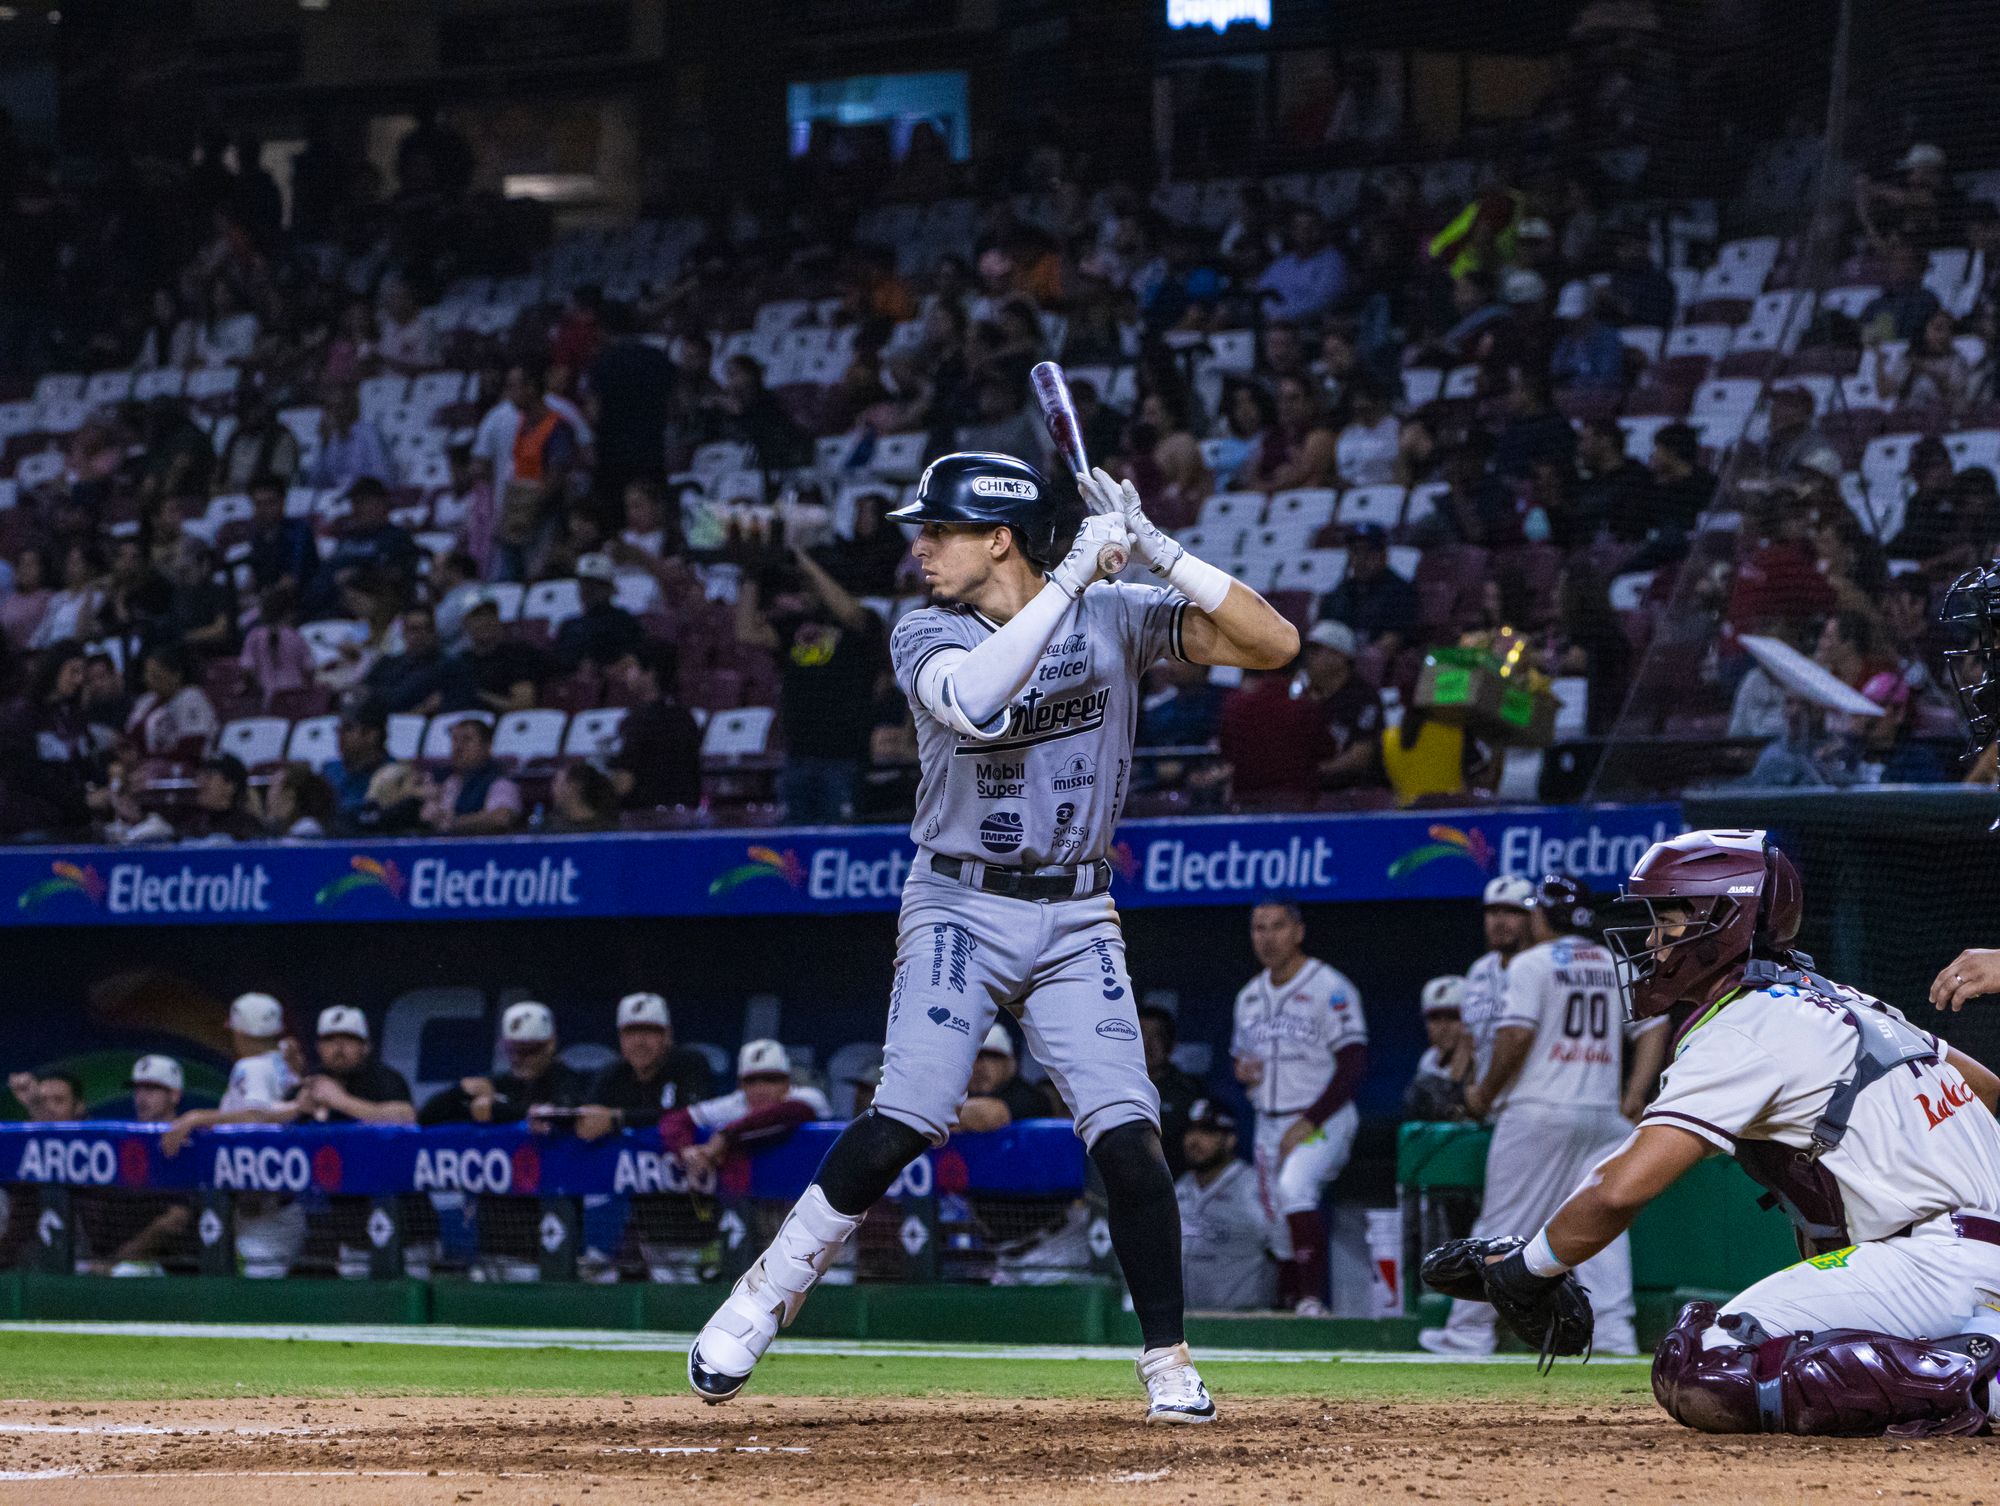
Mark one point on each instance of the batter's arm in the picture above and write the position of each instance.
(1603, 1208)
(1511, 1045)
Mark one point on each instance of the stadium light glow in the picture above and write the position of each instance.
(1183, 15)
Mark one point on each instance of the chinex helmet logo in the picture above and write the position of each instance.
(1001, 831)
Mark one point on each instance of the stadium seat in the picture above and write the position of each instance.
(898, 455)
(1888, 456)
(59, 387)
(1421, 386)
(405, 736)
(212, 383)
(552, 602)
(108, 387)
(40, 469)
(314, 741)
(1974, 447)
(436, 745)
(1380, 506)
(1628, 591)
(594, 733)
(741, 732)
(530, 737)
(1722, 408)
(1303, 508)
(506, 596)
(1848, 302)
(1648, 340)
(1314, 570)
(1423, 501)
(168, 381)
(1461, 383)
(258, 741)
(1233, 350)
(1224, 510)
(62, 415)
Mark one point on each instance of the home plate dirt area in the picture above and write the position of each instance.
(498, 1452)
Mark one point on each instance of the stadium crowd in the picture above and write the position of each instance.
(380, 506)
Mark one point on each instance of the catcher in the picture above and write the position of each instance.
(1877, 1138)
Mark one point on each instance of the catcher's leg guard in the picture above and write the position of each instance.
(1844, 1383)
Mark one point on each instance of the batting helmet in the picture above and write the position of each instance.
(1565, 902)
(1713, 900)
(974, 487)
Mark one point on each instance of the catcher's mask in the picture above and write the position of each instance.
(1972, 606)
(1712, 900)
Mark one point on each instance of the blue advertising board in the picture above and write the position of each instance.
(802, 871)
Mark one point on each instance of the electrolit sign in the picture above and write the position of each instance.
(1185, 15)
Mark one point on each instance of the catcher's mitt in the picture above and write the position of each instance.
(1550, 1312)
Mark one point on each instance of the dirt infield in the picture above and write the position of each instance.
(596, 1453)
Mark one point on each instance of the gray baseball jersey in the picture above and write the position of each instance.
(1049, 789)
(1225, 1242)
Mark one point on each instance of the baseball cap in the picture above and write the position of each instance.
(998, 1040)
(527, 1021)
(256, 1014)
(343, 1019)
(1444, 995)
(1923, 154)
(1508, 892)
(1523, 285)
(1337, 636)
(762, 1058)
(1206, 1113)
(596, 567)
(642, 1009)
(156, 1071)
(1534, 228)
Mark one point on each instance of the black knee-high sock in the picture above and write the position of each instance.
(860, 1166)
(1145, 1224)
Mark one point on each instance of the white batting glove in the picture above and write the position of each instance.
(1104, 535)
(1200, 582)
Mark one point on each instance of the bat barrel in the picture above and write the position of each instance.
(1059, 413)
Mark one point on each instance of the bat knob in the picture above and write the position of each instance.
(1111, 560)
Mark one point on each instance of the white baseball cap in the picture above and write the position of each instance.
(596, 567)
(158, 1072)
(1923, 154)
(1523, 285)
(642, 1009)
(1445, 995)
(1508, 892)
(257, 1014)
(759, 1057)
(997, 1039)
(343, 1019)
(527, 1021)
(1337, 636)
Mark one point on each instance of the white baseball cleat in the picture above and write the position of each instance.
(734, 1339)
(1454, 1341)
(1174, 1392)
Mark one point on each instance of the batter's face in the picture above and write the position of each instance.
(958, 558)
(764, 1090)
(1275, 936)
(1506, 929)
(342, 1053)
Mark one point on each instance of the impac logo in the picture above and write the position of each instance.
(64, 878)
(1445, 842)
(368, 874)
(764, 863)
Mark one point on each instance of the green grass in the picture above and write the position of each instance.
(64, 1367)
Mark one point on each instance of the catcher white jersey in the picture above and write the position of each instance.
(1048, 791)
(1294, 1030)
(1566, 991)
(1763, 1068)
(259, 1082)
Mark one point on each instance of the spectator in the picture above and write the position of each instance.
(471, 508)
(535, 1077)
(72, 612)
(1793, 442)
(1886, 751)
(1437, 1091)
(829, 649)
(1273, 742)
(405, 340)
(501, 672)
(658, 762)
(603, 632)
(350, 446)
(1370, 446)
(866, 563)
(420, 678)
(1641, 294)
(646, 521)
(352, 1085)
(1298, 450)
(1534, 432)
(455, 590)
(1589, 360)
(745, 411)
(1613, 493)
(1179, 1093)
(1350, 708)
(224, 335)
(1923, 207)
(1591, 642)
(996, 1096)
(1181, 707)
(1429, 761)
(298, 804)
(261, 446)
(283, 551)
(1780, 584)
(651, 1076)
(174, 718)
(22, 611)
(1931, 373)
(106, 702)
(53, 1097)
(631, 383)
(1248, 411)
(1306, 282)
(156, 1083)
(765, 1108)
(1683, 488)
(477, 799)
(582, 798)
(1377, 603)
(1227, 1240)
(999, 422)
(201, 606)
(222, 810)
(362, 738)
(1904, 306)
(51, 756)
(370, 542)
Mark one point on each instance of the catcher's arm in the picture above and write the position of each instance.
(1646, 1165)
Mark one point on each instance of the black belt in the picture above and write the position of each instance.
(1019, 883)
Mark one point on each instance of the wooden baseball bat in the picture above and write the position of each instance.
(1059, 413)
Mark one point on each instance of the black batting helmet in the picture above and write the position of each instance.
(975, 487)
(1567, 904)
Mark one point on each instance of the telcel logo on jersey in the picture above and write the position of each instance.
(1592, 854)
(1170, 868)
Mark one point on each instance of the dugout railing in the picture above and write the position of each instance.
(510, 1204)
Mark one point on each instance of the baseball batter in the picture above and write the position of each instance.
(1024, 681)
(1559, 1097)
(1875, 1136)
(1300, 1046)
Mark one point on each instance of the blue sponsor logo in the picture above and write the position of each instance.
(942, 1016)
(1117, 1030)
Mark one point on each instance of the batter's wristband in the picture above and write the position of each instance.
(1200, 582)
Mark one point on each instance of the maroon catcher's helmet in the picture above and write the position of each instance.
(1732, 895)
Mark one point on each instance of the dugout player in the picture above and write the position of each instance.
(1024, 682)
(352, 1085)
(1560, 1099)
(535, 1077)
(135, 1229)
(651, 1076)
(1505, 920)
(1877, 1138)
(996, 1094)
(1437, 1091)
(1301, 1049)
(1226, 1236)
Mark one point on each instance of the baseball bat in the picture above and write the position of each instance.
(1059, 413)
